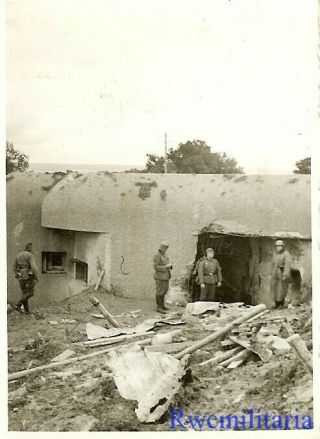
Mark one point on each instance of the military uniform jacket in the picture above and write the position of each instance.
(25, 265)
(159, 264)
(209, 271)
(281, 265)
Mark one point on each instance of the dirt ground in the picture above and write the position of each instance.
(83, 396)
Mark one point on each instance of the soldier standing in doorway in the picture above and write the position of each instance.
(210, 276)
(280, 275)
(161, 276)
(26, 271)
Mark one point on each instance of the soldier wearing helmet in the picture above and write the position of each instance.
(26, 271)
(280, 276)
(162, 274)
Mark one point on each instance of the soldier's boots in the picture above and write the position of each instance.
(18, 307)
(160, 304)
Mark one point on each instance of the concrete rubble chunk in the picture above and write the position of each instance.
(302, 393)
(197, 308)
(19, 393)
(67, 373)
(276, 343)
(136, 370)
(83, 422)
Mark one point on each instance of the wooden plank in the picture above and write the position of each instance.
(201, 343)
(23, 373)
(117, 339)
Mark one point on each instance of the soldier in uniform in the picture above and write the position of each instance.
(280, 275)
(161, 276)
(26, 271)
(210, 276)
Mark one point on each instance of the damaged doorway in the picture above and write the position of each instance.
(234, 255)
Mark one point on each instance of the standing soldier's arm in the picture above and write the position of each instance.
(34, 267)
(273, 266)
(287, 265)
(200, 272)
(219, 272)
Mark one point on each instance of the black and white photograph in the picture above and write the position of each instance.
(159, 215)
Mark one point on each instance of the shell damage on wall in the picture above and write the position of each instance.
(155, 207)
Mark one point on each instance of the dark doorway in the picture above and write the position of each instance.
(234, 255)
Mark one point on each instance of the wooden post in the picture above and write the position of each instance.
(201, 343)
(104, 311)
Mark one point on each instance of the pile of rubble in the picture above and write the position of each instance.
(148, 356)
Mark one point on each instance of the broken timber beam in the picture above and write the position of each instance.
(117, 339)
(104, 311)
(222, 357)
(23, 373)
(201, 343)
(301, 351)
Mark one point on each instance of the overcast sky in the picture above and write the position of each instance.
(100, 81)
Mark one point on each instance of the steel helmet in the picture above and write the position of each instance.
(279, 243)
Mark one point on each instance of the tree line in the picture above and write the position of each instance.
(191, 157)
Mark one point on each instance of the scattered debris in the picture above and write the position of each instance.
(168, 348)
(82, 422)
(19, 393)
(135, 314)
(67, 373)
(95, 332)
(197, 308)
(117, 339)
(301, 350)
(98, 316)
(68, 321)
(64, 355)
(166, 337)
(201, 343)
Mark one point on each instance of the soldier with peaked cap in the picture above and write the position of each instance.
(26, 271)
(161, 275)
(210, 276)
(280, 275)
